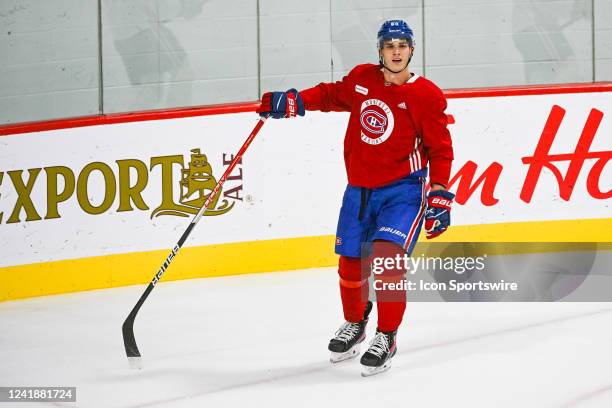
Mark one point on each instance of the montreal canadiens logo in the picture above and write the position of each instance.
(376, 121)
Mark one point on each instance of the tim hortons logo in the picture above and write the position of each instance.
(126, 180)
(541, 159)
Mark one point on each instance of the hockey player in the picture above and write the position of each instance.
(397, 130)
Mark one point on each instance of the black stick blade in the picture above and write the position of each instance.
(129, 341)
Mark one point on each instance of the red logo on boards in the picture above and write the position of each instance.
(540, 160)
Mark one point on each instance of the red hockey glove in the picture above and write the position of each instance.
(437, 217)
(279, 105)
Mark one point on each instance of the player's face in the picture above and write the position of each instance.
(396, 53)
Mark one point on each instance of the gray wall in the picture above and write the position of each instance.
(168, 53)
(63, 58)
(48, 59)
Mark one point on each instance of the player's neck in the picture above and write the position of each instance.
(397, 79)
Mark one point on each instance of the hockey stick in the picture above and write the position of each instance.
(131, 349)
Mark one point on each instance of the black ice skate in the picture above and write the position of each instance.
(346, 343)
(378, 357)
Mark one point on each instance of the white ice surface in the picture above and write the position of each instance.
(261, 340)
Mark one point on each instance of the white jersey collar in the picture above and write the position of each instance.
(412, 78)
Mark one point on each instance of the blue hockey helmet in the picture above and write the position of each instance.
(394, 30)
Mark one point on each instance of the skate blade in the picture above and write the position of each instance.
(367, 371)
(347, 355)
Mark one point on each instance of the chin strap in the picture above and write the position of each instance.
(382, 65)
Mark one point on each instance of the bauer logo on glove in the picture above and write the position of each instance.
(437, 217)
(280, 105)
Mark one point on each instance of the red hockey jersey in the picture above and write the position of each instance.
(393, 130)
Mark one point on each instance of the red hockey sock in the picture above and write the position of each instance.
(390, 315)
(353, 288)
(391, 303)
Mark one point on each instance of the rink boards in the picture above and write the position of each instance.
(101, 206)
